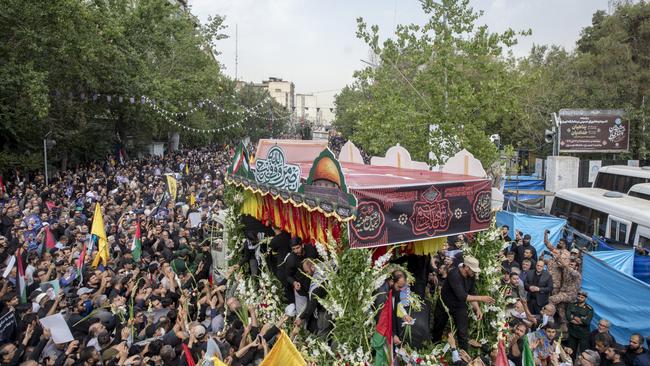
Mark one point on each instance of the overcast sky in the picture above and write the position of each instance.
(313, 43)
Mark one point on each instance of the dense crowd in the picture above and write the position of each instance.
(550, 310)
(130, 311)
(165, 306)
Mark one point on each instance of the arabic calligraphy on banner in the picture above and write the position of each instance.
(275, 172)
(406, 214)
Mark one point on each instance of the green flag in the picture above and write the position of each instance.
(527, 356)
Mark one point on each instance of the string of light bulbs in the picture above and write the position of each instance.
(206, 102)
(192, 129)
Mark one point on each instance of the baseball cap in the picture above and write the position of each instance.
(40, 297)
(472, 263)
(199, 331)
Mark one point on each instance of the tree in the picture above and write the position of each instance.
(66, 62)
(448, 72)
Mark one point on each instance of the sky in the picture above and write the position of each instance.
(313, 44)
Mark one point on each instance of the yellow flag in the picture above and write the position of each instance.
(217, 361)
(100, 233)
(192, 199)
(171, 186)
(283, 353)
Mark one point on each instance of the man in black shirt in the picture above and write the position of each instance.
(456, 292)
(508, 263)
(519, 250)
(634, 349)
(314, 314)
(279, 249)
(297, 281)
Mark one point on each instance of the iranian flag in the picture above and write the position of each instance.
(20, 281)
(382, 339)
(136, 246)
(527, 358)
(240, 159)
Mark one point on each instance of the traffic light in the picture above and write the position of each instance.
(549, 135)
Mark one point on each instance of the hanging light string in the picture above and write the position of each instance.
(167, 118)
(244, 111)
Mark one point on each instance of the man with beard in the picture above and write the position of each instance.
(602, 328)
(296, 278)
(634, 349)
(579, 316)
(457, 291)
(614, 354)
(519, 250)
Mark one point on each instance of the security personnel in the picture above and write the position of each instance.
(578, 316)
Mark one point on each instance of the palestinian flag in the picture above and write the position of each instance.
(188, 355)
(527, 358)
(136, 246)
(382, 339)
(502, 357)
(21, 285)
(48, 240)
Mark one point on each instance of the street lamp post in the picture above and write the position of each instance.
(45, 156)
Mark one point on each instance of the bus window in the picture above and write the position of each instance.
(639, 195)
(644, 242)
(560, 207)
(605, 181)
(622, 231)
(618, 230)
(600, 219)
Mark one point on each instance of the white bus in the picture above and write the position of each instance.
(621, 178)
(609, 214)
(641, 190)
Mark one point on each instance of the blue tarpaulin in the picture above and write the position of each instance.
(533, 225)
(642, 268)
(617, 297)
(621, 260)
(640, 264)
(521, 182)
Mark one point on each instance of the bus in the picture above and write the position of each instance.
(621, 178)
(641, 190)
(613, 215)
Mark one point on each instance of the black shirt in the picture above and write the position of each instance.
(280, 247)
(456, 288)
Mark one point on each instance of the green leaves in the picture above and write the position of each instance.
(447, 72)
(109, 47)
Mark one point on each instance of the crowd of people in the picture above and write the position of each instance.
(159, 303)
(550, 309)
(157, 307)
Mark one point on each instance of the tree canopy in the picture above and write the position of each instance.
(65, 63)
(457, 75)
